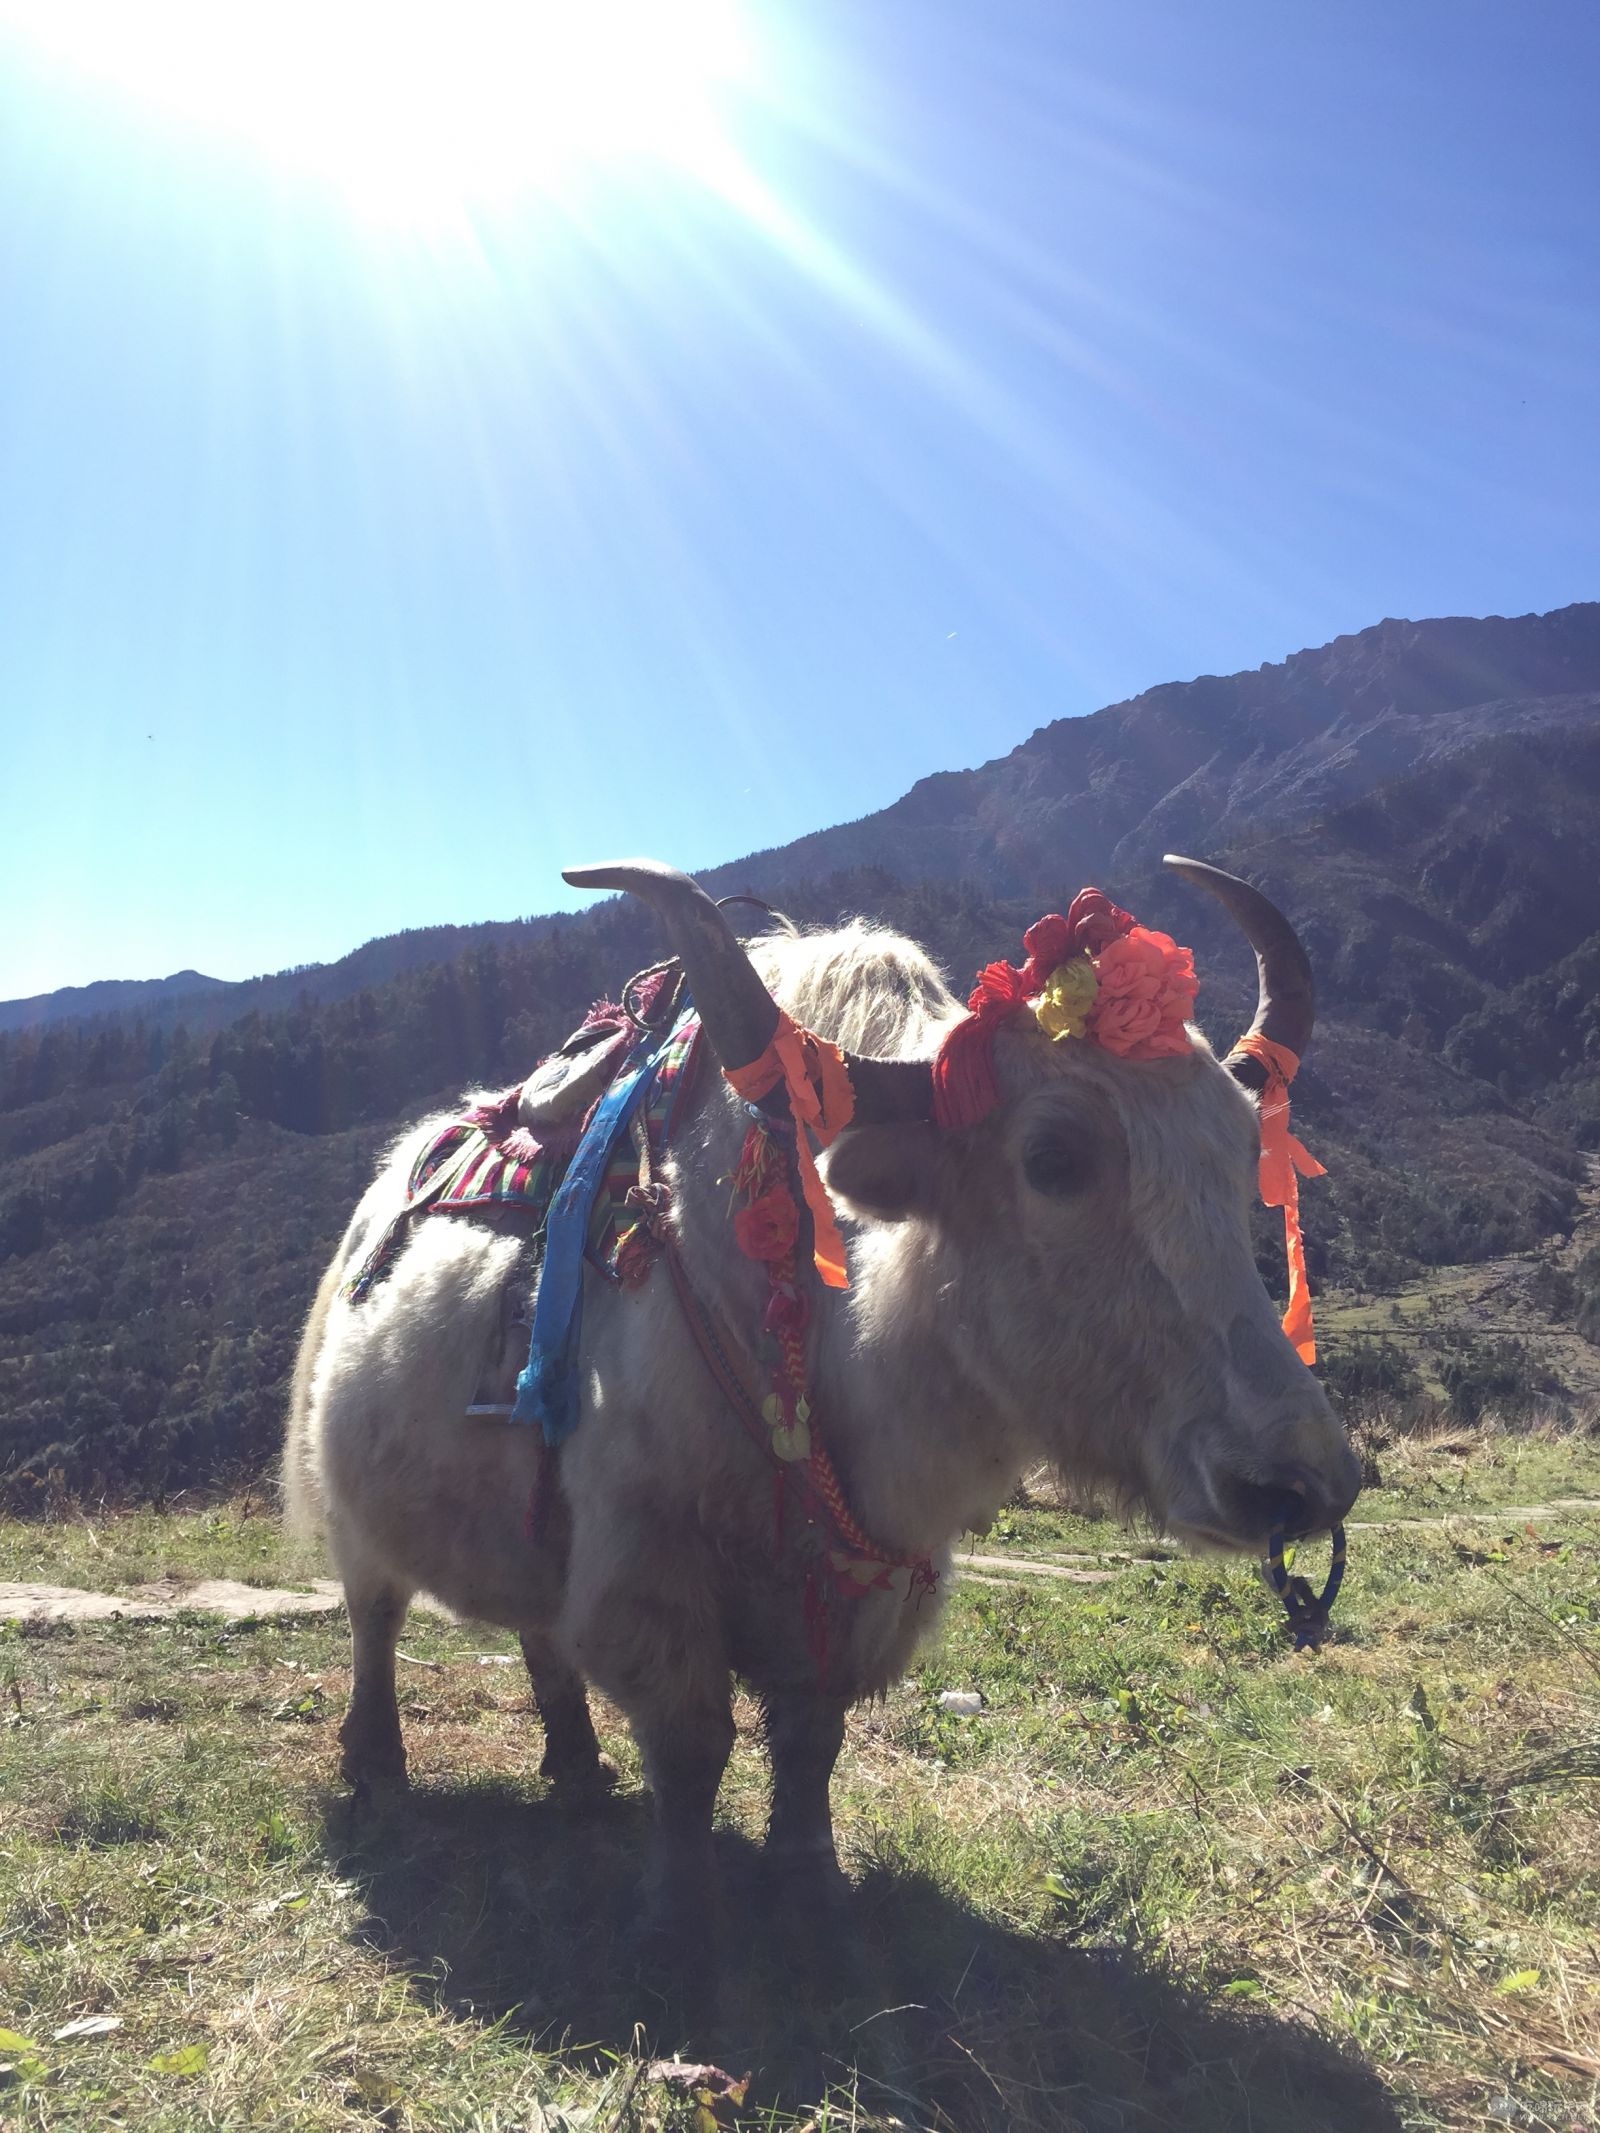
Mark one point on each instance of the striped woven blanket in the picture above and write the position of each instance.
(487, 1159)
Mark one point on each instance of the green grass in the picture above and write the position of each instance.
(1173, 1875)
(1466, 1471)
(241, 1539)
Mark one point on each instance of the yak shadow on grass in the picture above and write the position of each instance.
(504, 1907)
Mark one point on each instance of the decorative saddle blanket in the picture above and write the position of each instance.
(590, 1197)
(571, 1187)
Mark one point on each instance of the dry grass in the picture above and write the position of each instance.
(1171, 1876)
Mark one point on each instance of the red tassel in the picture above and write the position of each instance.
(964, 1087)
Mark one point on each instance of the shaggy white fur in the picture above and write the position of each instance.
(1070, 1281)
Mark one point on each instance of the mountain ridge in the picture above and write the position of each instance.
(102, 996)
(1151, 769)
(1353, 734)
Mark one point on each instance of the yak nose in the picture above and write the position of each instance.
(1298, 1499)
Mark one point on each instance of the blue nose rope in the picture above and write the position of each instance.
(1308, 1611)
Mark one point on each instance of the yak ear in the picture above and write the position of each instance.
(886, 1172)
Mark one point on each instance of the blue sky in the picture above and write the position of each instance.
(380, 531)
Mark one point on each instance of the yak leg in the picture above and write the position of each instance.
(642, 1624)
(572, 1759)
(374, 1753)
(685, 1752)
(804, 1732)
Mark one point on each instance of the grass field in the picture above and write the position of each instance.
(1172, 1875)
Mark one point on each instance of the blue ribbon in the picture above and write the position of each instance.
(548, 1389)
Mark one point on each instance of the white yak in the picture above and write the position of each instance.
(1070, 1280)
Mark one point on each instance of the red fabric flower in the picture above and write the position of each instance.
(1146, 992)
(1146, 995)
(769, 1226)
(1096, 921)
(1091, 923)
(1048, 942)
(999, 989)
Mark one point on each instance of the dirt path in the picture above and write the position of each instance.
(234, 1602)
(170, 1596)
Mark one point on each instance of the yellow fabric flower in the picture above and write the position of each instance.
(1068, 995)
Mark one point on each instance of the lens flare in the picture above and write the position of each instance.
(413, 109)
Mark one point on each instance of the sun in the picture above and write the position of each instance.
(418, 108)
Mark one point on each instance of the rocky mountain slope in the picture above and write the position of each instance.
(1217, 760)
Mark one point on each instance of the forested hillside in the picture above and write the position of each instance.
(1424, 799)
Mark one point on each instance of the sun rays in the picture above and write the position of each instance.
(411, 111)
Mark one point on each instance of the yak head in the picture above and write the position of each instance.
(1079, 1257)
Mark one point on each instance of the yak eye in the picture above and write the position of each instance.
(1058, 1166)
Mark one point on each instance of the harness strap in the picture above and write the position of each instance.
(862, 1563)
(387, 1249)
(547, 1389)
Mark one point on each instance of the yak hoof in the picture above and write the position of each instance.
(369, 1782)
(374, 1774)
(678, 1923)
(581, 1784)
(675, 1955)
(808, 1881)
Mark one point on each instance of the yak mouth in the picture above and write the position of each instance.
(1239, 1515)
(1208, 1539)
(1211, 1539)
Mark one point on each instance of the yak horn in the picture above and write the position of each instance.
(1287, 1005)
(737, 1012)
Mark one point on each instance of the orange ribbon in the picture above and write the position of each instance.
(1282, 1156)
(823, 1100)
